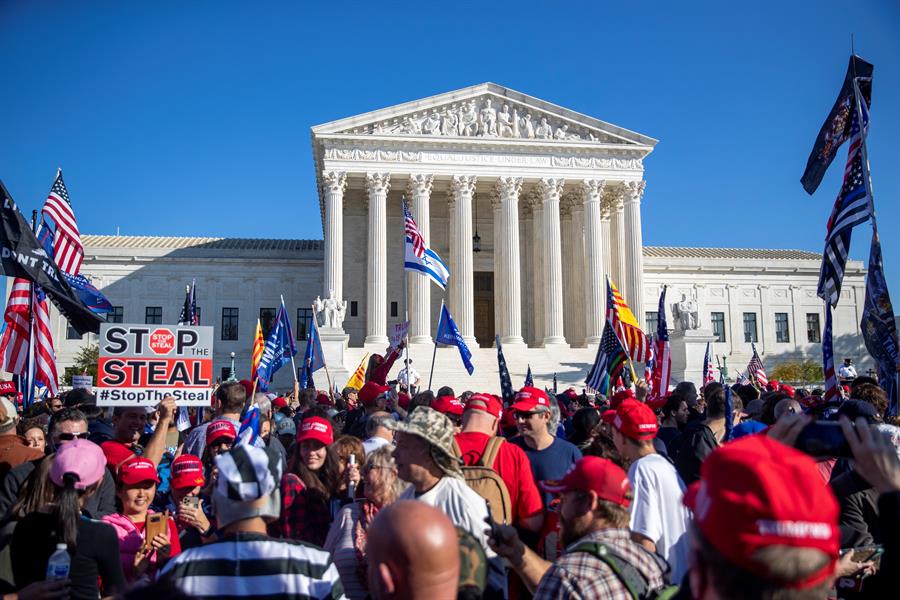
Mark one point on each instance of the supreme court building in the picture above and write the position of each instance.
(531, 205)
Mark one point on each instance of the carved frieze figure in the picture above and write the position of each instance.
(450, 123)
(468, 120)
(488, 118)
(527, 127)
(431, 124)
(505, 123)
(687, 313)
(544, 130)
(411, 126)
(562, 132)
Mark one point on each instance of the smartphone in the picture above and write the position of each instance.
(156, 524)
(867, 553)
(823, 439)
(193, 501)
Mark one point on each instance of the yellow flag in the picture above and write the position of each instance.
(358, 379)
(625, 314)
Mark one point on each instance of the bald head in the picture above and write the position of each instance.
(479, 421)
(787, 405)
(413, 552)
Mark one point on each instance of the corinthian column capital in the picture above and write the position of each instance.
(419, 185)
(334, 182)
(634, 190)
(551, 187)
(463, 184)
(378, 183)
(592, 189)
(509, 187)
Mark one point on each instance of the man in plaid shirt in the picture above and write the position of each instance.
(595, 496)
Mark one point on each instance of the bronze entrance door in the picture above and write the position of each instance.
(483, 284)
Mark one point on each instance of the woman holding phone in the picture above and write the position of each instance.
(146, 539)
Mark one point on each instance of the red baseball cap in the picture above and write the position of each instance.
(636, 420)
(279, 402)
(135, 470)
(788, 390)
(220, 428)
(531, 399)
(248, 387)
(370, 391)
(316, 428)
(7, 387)
(323, 399)
(616, 399)
(187, 472)
(448, 405)
(485, 403)
(608, 416)
(756, 492)
(592, 473)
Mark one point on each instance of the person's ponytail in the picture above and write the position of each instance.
(68, 511)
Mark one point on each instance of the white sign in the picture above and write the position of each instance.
(399, 333)
(85, 382)
(142, 364)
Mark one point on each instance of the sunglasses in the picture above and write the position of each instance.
(68, 437)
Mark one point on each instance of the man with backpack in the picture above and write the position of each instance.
(500, 472)
(601, 560)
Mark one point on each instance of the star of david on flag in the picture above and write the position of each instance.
(418, 256)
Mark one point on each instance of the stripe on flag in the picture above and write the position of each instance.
(633, 338)
(67, 249)
(755, 369)
(831, 385)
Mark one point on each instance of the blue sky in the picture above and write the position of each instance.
(192, 118)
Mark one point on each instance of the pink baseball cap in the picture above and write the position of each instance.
(82, 458)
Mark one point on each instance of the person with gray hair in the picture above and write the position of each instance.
(377, 432)
(265, 415)
(246, 562)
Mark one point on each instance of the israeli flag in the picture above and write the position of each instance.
(429, 264)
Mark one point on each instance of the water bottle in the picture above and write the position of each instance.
(58, 565)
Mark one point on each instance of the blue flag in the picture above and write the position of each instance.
(313, 359)
(88, 294)
(278, 351)
(448, 333)
(249, 431)
(529, 378)
(879, 330)
(506, 389)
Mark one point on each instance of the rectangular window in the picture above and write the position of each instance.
(354, 308)
(303, 315)
(116, 315)
(750, 328)
(226, 373)
(782, 334)
(813, 331)
(71, 334)
(153, 315)
(652, 319)
(230, 323)
(394, 309)
(718, 325)
(267, 320)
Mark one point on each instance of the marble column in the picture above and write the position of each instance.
(595, 254)
(333, 185)
(578, 289)
(565, 229)
(607, 246)
(634, 293)
(462, 304)
(377, 185)
(553, 298)
(537, 269)
(418, 191)
(499, 262)
(508, 189)
(618, 273)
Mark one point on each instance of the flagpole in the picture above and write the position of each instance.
(293, 364)
(30, 370)
(864, 149)
(324, 362)
(434, 355)
(406, 307)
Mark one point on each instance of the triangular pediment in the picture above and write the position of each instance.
(486, 111)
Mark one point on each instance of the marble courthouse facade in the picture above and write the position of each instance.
(531, 206)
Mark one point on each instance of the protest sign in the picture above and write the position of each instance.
(83, 382)
(399, 333)
(142, 364)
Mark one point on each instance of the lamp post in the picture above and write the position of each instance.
(232, 377)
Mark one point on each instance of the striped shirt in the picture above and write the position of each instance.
(253, 565)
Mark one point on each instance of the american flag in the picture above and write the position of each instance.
(707, 365)
(189, 314)
(852, 207)
(662, 358)
(14, 345)
(633, 338)
(755, 369)
(609, 362)
(67, 249)
(831, 385)
(412, 232)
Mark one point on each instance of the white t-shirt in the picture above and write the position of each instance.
(374, 443)
(465, 508)
(657, 511)
(847, 372)
(405, 379)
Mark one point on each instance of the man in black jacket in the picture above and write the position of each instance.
(701, 437)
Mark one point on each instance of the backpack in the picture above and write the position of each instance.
(485, 481)
(633, 580)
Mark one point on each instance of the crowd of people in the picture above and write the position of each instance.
(375, 493)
